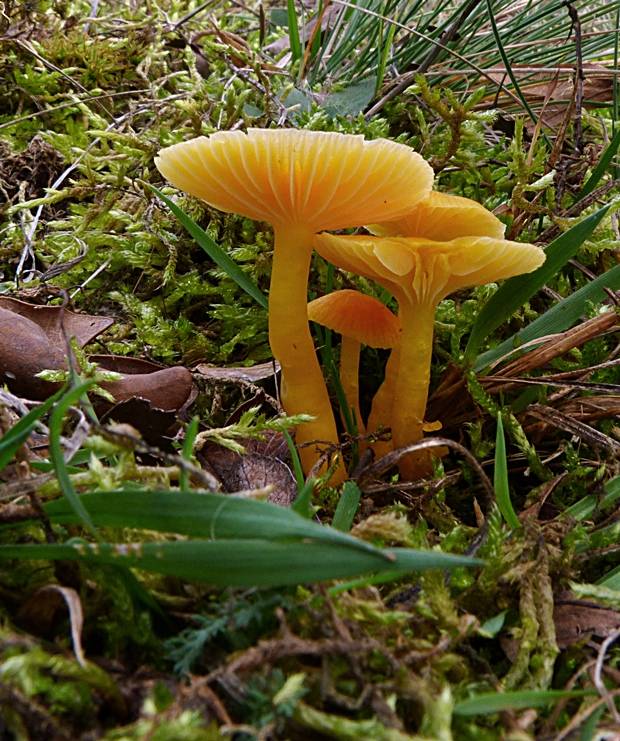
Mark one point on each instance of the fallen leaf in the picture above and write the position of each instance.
(264, 463)
(25, 350)
(167, 389)
(41, 610)
(51, 320)
(251, 374)
(575, 620)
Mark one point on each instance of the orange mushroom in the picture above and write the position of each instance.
(420, 272)
(441, 217)
(300, 182)
(361, 320)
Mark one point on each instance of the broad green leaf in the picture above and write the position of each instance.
(215, 252)
(242, 562)
(500, 478)
(516, 291)
(19, 433)
(351, 100)
(496, 702)
(558, 318)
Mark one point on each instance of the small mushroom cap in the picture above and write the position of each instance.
(356, 315)
(326, 180)
(428, 271)
(442, 217)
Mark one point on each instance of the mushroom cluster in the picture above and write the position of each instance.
(424, 245)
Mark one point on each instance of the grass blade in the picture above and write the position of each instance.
(611, 580)
(303, 501)
(496, 702)
(215, 252)
(559, 317)
(602, 165)
(500, 478)
(187, 451)
(511, 74)
(293, 31)
(199, 515)
(516, 291)
(243, 562)
(57, 456)
(19, 433)
(347, 506)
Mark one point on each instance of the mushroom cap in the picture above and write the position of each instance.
(427, 271)
(356, 315)
(326, 180)
(443, 217)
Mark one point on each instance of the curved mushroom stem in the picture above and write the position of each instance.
(349, 378)
(412, 382)
(381, 408)
(303, 389)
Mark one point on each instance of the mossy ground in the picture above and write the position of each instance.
(87, 103)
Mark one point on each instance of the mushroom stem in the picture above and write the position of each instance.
(349, 378)
(381, 409)
(303, 389)
(412, 382)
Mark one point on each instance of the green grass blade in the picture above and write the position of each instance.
(298, 470)
(199, 515)
(57, 457)
(516, 291)
(187, 451)
(602, 166)
(511, 74)
(386, 46)
(293, 31)
(243, 562)
(303, 501)
(496, 702)
(216, 253)
(590, 725)
(559, 317)
(500, 478)
(347, 506)
(611, 580)
(19, 433)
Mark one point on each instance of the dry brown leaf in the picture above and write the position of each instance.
(576, 620)
(41, 610)
(252, 374)
(264, 463)
(167, 389)
(51, 319)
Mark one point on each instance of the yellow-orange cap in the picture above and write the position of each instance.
(325, 180)
(443, 217)
(356, 315)
(428, 271)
